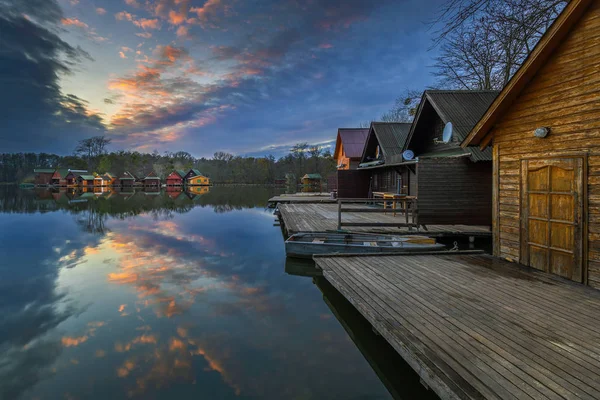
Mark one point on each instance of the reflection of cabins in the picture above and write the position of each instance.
(378, 170)
(349, 147)
(85, 180)
(151, 180)
(543, 131)
(198, 190)
(126, 180)
(175, 178)
(174, 192)
(43, 176)
(452, 185)
(198, 180)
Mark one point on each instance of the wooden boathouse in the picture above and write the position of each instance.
(451, 185)
(151, 180)
(43, 176)
(175, 178)
(544, 131)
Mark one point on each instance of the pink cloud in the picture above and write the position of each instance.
(325, 46)
(182, 31)
(176, 18)
(145, 35)
(100, 11)
(210, 11)
(74, 22)
(143, 23)
(122, 55)
(133, 3)
(146, 23)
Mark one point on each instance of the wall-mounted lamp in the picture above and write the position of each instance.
(541, 132)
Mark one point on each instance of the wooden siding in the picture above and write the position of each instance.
(454, 191)
(43, 178)
(353, 183)
(564, 97)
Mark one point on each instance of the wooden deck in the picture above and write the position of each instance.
(323, 217)
(478, 327)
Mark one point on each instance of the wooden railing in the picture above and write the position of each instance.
(408, 208)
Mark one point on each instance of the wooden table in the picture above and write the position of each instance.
(395, 197)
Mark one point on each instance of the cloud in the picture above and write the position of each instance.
(144, 23)
(74, 22)
(211, 12)
(100, 11)
(145, 35)
(122, 55)
(183, 31)
(133, 3)
(68, 341)
(177, 18)
(33, 59)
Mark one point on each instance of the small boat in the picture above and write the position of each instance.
(305, 245)
(26, 185)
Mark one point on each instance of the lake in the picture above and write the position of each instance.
(173, 295)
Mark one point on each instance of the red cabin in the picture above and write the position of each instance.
(175, 178)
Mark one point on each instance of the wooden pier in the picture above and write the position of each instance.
(324, 217)
(478, 327)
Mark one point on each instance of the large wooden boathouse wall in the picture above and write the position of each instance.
(454, 191)
(544, 215)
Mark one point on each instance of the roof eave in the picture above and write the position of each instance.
(549, 41)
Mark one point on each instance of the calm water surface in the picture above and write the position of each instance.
(163, 296)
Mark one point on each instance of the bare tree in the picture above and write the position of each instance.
(404, 107)
(483, 42)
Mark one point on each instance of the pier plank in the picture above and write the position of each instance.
(474, 326)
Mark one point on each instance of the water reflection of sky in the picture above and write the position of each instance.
(196, 305)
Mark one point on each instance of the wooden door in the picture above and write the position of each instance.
(552, 216)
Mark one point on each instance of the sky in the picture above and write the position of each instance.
(248, 77)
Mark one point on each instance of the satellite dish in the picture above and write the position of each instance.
(447, 135)
(408, 155)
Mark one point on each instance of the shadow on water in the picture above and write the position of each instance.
(397, 376)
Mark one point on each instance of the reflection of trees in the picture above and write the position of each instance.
(93, 209)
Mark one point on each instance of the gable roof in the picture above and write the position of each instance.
(195, 171)
(44, 170)
(392, 138)
(461, 107)
(312, 176)
(126, 176)
(151, 175)
(353, 140)
(62, 172)
(86, 177)
(551, 39)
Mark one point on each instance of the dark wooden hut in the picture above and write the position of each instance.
(126, 180)
(43, 176)
(378, 170)
(543, 132)
(151, 180)
(452, 185)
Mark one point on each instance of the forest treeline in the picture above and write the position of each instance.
(221, 168)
